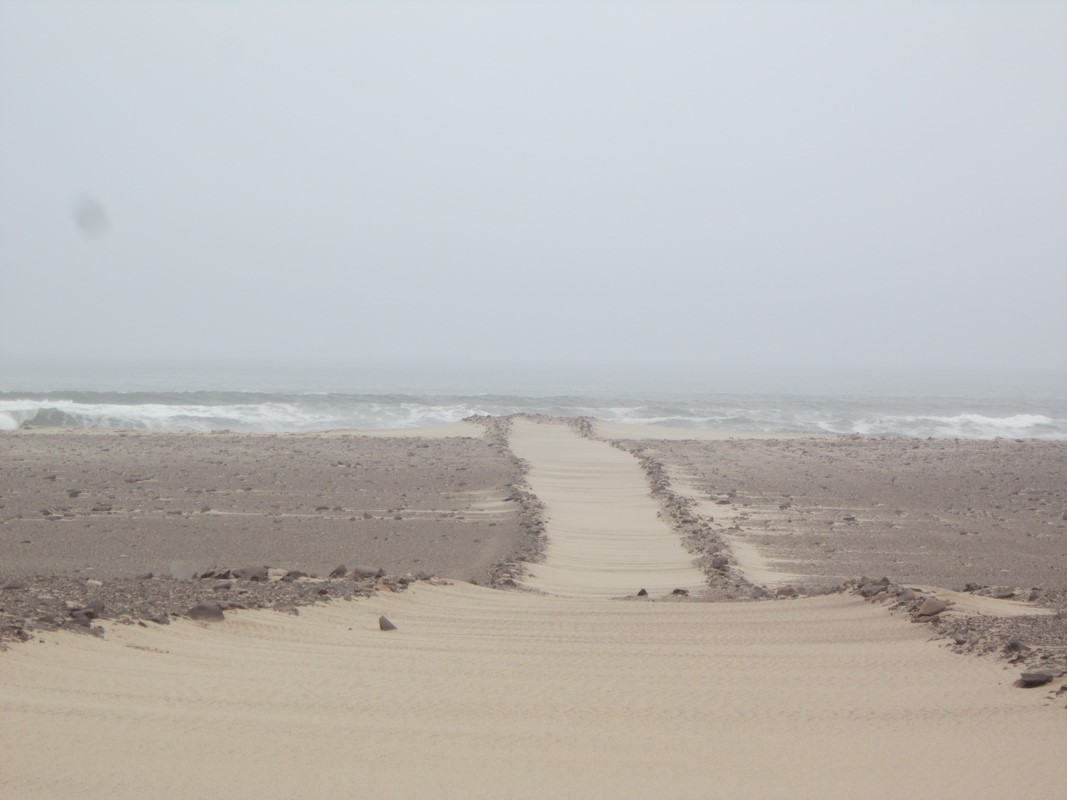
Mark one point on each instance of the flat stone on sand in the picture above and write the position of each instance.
(930, 607)
(1032, 679)
(206, 612)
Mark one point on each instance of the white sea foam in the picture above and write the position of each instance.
(965, 426)
(265, 412)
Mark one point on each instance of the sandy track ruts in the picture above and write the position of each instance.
(604, 534)
(482, 693)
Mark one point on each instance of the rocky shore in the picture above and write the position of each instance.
(33, 605)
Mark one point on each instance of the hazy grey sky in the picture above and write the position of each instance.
(855, 183)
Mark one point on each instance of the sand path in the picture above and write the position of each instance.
(493, 694)
(605, 537)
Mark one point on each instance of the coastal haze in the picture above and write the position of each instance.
(720, 184)
(542, 400)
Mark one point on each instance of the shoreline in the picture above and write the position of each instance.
(468, 427)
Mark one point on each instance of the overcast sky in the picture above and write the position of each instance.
(854, 183)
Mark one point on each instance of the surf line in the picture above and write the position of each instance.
(605, 537)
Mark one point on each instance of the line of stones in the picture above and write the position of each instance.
(509, 572)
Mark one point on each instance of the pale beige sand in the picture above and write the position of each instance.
(605, 538)
(503, 694)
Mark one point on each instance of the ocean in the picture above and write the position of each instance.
(294, 398)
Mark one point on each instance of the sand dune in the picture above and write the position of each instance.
(490, 694)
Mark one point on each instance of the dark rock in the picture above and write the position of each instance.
(720, 562)
(1007, 594)
(786, 591)
(81, 619)
(871, 589)
(251, 574)
(931, 606)
(367, 572)
(682, 592)
(1014, 646)
(385, 624)
(145, 576)
(293, 574)
(13, 583)
(339, 571)
(222, 585)
(643, 593)
(1031, 679)
(91, 610)
(161, 619)
(205, 612)
(758, 593)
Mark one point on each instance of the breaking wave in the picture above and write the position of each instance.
(280, 412)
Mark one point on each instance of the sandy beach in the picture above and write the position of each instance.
(564, 681)
(533, 400)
